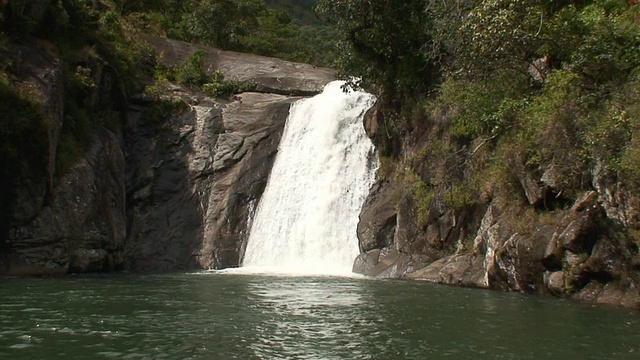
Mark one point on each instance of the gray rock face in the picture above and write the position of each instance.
(268, 74)
(583, 248)
(165, 194)
(83, 228)
(195, 180)
(239, 185)
(571, 255)
(378, 218)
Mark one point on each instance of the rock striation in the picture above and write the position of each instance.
(194, 181)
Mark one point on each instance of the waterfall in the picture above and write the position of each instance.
(306, 220)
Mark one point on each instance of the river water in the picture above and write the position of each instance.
(230, 316)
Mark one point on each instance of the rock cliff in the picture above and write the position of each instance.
(171, 190)
(532, 240)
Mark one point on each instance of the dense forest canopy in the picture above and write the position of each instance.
(280, 28)
(285, 29)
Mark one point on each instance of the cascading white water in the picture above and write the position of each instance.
(306, 220)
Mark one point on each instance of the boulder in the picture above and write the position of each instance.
(555, 282)
(378, 218)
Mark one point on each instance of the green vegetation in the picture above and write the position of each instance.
(548, 84)
(495, 85)
(92, 43)
(99, 40)
(163, 109)
(192, 73)
(283, 29)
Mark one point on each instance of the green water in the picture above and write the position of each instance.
(215, 316)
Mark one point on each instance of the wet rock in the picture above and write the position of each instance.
(392, 265)
(378, 219)
(233, 197)
(588, 293)
(463, 270)
(365, 262)
(554, 282)
(191, 202)
(620, 294)
(617, 293)
(89, 260)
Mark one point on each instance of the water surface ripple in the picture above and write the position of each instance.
(215, 316)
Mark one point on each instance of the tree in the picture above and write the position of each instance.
(221, 22)
(381, 43)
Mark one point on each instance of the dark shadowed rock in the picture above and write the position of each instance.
(378, 218)
(195, 181)
(38, 67)
(84, 224)
(606, 261)
(365, 262)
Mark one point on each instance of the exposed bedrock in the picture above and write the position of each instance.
(194, 181)
(579, 250)
(169, 191)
